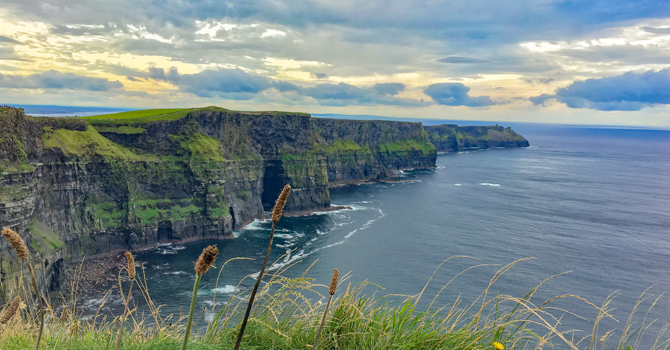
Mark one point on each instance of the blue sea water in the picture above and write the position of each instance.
(591, 201)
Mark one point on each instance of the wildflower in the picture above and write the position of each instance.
(498, 346)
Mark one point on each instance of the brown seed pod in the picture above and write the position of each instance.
(131, 266)
(281, 202)
(206, 259)
(16, 243)
(63, 315)
(10, 311)
(333, 282)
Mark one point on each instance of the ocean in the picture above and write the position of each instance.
(591, 201)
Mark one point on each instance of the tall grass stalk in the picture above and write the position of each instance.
(131, 277)
(21, 250)
(276, 216)
(331, 291)
(203, 264)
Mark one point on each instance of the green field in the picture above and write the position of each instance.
(136, 114)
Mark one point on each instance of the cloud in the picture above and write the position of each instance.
(544, 81)
(456, 59)
(652, 30)
(237, 84)
(55, 80)
(4, 39)
(318, 75)
(456, 94)
(389, 88)
(628, 92)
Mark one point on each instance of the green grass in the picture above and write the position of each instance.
(406, 146)
(202, 147)
(123, 129)
(135, 114)
(86, 144)
(287, 312)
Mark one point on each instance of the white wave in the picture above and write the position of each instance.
(158, 245)
(227, 289)
(488, 184)
(256, 225)
(161, 266)
(178, 247)
(350, 233)
(283, 236)
(166, 252)
(176, 273)
(458, 185)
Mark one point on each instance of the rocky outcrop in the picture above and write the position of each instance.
(451, 137)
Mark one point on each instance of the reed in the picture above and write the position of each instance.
(276, 216)
(331, 291)
(131, 276)
(10, 311)
(21, 250)
(203, 264)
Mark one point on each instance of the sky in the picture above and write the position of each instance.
(604, 62)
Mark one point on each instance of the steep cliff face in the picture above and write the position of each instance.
(451, 137)
(357, 150)
(74, 187)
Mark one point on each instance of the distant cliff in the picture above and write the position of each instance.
(451, 137)
(82, 186)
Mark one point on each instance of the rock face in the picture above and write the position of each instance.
(75, 187)
(451, 137)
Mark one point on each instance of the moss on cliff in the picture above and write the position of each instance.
(406, 145)
(123, 129)
(85, 144)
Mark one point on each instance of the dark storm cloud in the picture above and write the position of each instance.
(456, 94)
(628, 92)
(55, 80)
(456, 59)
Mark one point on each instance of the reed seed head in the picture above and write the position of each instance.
(16, 243)
(333, 282)
(206, 259)
(131, 266)
(10, 311)
(281, 202)
(63, 315)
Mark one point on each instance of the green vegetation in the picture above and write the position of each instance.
(135, 114)
(124, 129)
(407, 145)
(287, 313)
(202, 147)
(85, 144)
(145, 116)
(340, 146)
(150, 211)
(48, 238)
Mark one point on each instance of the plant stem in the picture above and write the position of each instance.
(323, 319)
(253, 292)
(190, 313)
(125, 312)
(39, 297)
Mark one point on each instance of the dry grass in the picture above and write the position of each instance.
(288, 312)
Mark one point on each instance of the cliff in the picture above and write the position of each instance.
(451, 137)
(74, 187)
